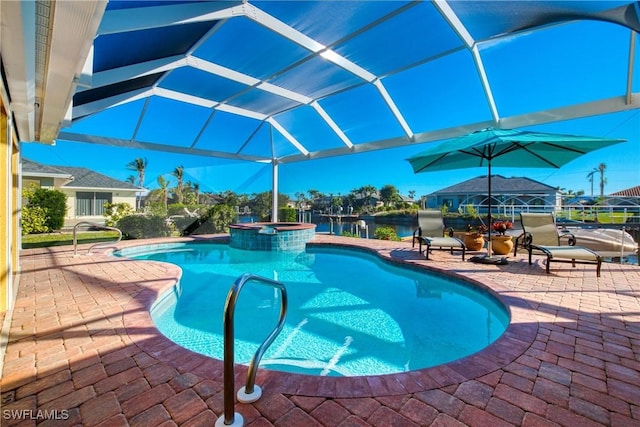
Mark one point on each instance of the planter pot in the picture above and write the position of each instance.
(473, 242)
(501, 245)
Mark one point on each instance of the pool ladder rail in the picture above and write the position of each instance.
(250, 392)
(96, 225)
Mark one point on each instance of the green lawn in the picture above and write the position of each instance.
(62, 239)
(593, 215)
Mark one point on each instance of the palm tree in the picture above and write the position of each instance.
(139, 165)
(196, 189)
(367, 192)
(590, 178)
(178, 172)
(164, 190)
(603, 180)
(161, 193)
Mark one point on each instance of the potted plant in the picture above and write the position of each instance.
(501, 243)
(474, 237)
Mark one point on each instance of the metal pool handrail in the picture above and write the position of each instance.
(93, 224)
(250, 392)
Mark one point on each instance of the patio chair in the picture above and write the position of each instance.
(540, 235)
(430, 232)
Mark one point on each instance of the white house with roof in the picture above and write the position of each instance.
(514, 191)
(87, 191)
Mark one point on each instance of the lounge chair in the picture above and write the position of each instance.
(541, 235)
(430, 232)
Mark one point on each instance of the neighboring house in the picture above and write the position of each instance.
(626, 197)
(86, 191)
(513, 191)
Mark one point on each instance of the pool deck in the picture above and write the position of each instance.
(82, 349)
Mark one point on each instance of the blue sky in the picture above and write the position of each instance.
(573, 67)
(345, 173)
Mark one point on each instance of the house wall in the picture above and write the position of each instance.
(9, 209)
(120, 196)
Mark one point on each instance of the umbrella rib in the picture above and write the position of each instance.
(521, 146)
(431, 163)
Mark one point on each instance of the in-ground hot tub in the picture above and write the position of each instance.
(271, 236)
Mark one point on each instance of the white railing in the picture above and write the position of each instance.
(610, 214)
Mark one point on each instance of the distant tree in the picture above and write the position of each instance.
(139, 165)
(131, 179)
(230, 198)
(178, 173)
(314, 194)
(412, 194)
(366, 192)
(389, 194)
(196, 190)
(301, 200)
(160, 195)
(336, 201)
(590, 178)
(189, 194)
(260, 204)
(603, 180)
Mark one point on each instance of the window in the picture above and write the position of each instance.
(90, 203)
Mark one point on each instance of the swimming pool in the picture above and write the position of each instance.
(350, 313)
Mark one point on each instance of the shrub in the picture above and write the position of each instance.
(349, 234)
(34, 220)
(386, 233)
(287, 214)
(141, 227)
(114, 212)
(215, 220)
(53, 202)
(186, 225)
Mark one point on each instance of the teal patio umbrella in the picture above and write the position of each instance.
(505, 148)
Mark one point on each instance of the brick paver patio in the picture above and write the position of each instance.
(83, 351)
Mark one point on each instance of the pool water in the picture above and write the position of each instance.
(350, 313)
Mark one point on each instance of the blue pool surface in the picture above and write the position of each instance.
(350, 313)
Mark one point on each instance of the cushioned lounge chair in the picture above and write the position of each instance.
(430, 232)
(541, 236)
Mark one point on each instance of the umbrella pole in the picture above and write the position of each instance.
(489, 259)
(489, 222)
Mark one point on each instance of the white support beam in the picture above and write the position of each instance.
(393, 107)
(117, 75)
(241, 112)
(305, 41)
(274, 190)
(285, 93)
(74, 26)
(113, 101)
(245, 79)
(605, 106)
(288, 136)
(183, 97)
(455, 23)
(486, 86)
(327, 118)
(135, 19)
(632, 55)
(17, 44)
(126, 143)
(219, 70)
